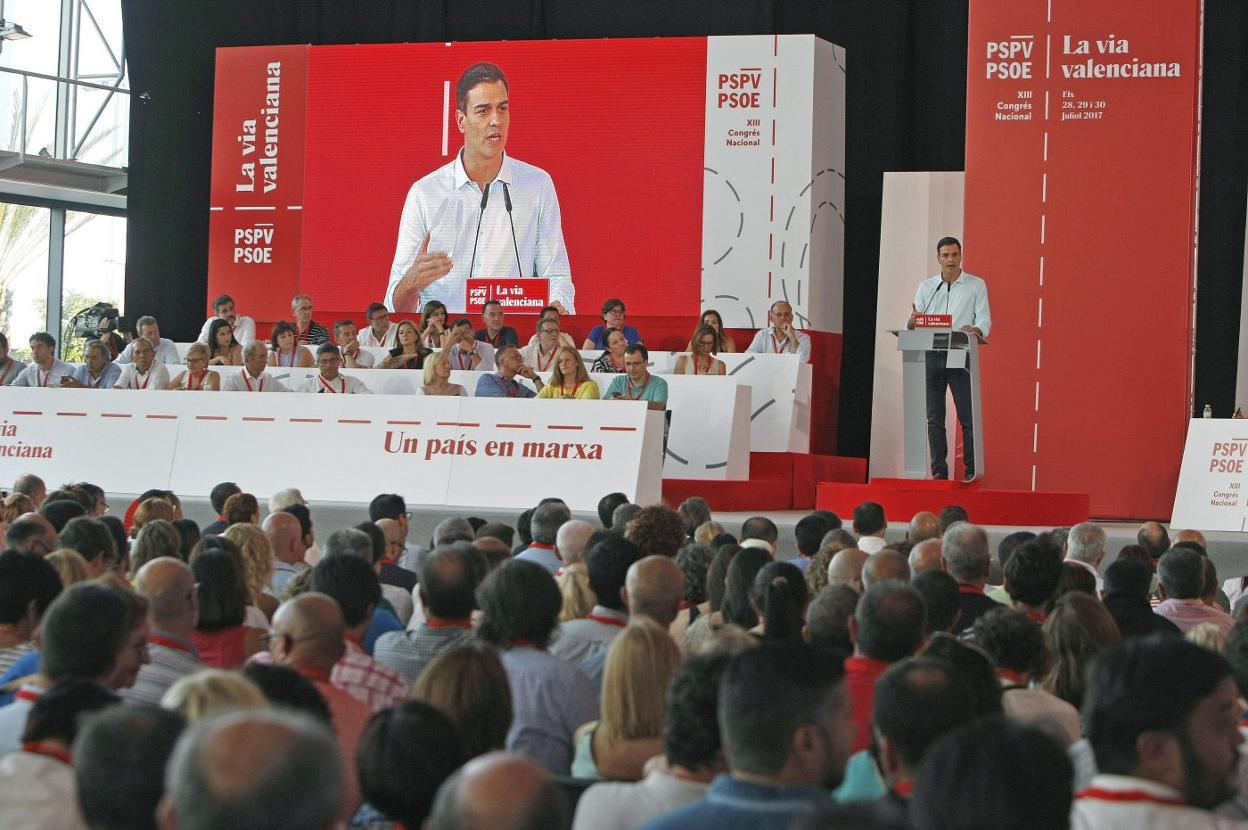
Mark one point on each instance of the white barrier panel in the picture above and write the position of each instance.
(1211, 490)
(435, 451)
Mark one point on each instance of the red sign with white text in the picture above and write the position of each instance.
(933, 321)
(1082, 125)
(527, 296)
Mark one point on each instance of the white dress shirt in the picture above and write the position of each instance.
(387, 341)
(531, 354)
(244, 329)
(362, 359)
(166, 353)
(232, 381)
(157, 377)
(33, 375)
(965, 299)
(1119, 802)
(446, 204)
(766, 342)
(341, 385)
(460, 356)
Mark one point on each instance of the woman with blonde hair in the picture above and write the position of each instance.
(707, 531)
(257, 565)
(469, 685)
(641, 662)
(437, 380)
(196, 377)
(157, 538)
(212, 692)
(1077, 629)
(569, 379)
(69, 566)
(701, 359)
(16, 504)
(578, 597)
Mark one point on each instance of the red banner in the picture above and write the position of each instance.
(1082, 126)
(526, 296)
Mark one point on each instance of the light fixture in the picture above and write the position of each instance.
(12, 31)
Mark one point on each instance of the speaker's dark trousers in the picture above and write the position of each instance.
(958, 381)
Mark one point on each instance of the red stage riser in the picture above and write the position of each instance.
(778, 481)
(901, 499)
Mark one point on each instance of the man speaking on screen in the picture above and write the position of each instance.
(484, 214)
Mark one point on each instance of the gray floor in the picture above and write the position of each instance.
(1229, 551)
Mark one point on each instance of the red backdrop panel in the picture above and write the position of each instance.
(1080, 213)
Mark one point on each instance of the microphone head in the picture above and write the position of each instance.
(506, 197)
(485, 196)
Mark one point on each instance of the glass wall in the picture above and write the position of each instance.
(23, 273)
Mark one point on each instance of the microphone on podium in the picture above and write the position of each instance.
(485, 197)
(514, 244)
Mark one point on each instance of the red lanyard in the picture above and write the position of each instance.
(640, 391)
(313, 673)
(522, 643)
(247, 380)
(8, 371)
(157, 640)
(710, 361)
(146, 380)
(55, 753)
(190, 382)
(342, 388)
(607, 620)
(551, 548)
(26, 695)
(41, 378)
(563, 391)
(493, 341)
(1121, 796)
(543, 367)
(465, 624)
(380, 339)
(775, 343)
(461, 361)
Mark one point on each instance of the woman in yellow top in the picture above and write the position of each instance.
(569, 379)
(701, 359)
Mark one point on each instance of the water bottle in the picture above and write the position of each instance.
(1208, 411)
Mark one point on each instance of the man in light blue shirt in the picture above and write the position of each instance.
(965, 298)
(98, 372)
(637, 384)
(503, 383)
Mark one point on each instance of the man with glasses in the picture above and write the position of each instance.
(353, 357)
(307, 330)
(330, 380)
(390, 572)
(393, 506)
(503, 383)
(98, 372)
(540, 353)
(223, 309)
(379, 334)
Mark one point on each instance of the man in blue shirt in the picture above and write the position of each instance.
(787, 727)
(503, 383)
(637, 384)
(97, 372)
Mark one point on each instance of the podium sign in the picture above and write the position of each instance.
(516, 295)
(933, 321)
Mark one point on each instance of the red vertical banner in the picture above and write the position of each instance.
(256, 213)
(1081, 154)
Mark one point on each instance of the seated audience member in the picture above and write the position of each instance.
(28, 585)
(544, 526)
(246, 769)
(640, 663)
(653, 589)
(32, 532)
(1076, 630)
(611, 361)
(870, 527)
(353, 541)
(694, 512)
(330, 379)
(542, 350)
(353, 357)
(782, 757)
(520, 606)
(737, 608)
(622, 515)
(780, 337)
(702, 630)
(398, 600)
(379, 333)
(406, 752)
(760, 532)
(437, 376)
(217, 497)
(164, 349)
(923, 525)
(612, 318)
(433, 324)
(499, 791)
(391, 572)
(136, 739)
(701, 358)
(241, 508)
(940, 596)
(1031, 577)
(827, 618)
(223, 347)
(569, 379)
(97, 372)
(211, 692)
(694, 561)
(196, 377)
(637, 384)
(69, 565)
(168, 585)
(221, 637)
(33, 487)
(887, 626)
(37, 786)
(779, 598)
(286, 541)
(144, 373)
(1182, 576)
(809, 536)
(692, 755)
(495, 333)
(10, 367)
(1017, 646)
(91, 540)
(1127, 585)
(447, 589)
(1005, 550)
(1161, 717)
(968, 560)
(608, 562)
(468, 684)
(285, 348)
(551, 312)
(723, 340)
(885, 566)
(91, 632)
(926, 556)
(59, 511)
(285, 688)
(252, 377)
(993, 772)
(467, 352)
(244, 327)
(306, 330)
(1152, 536)
(1073, 578)
(950, 515)
(502, 383)
(45, 368)
(1085, 546)
(845, 568)
(571, 540)
(657, 530)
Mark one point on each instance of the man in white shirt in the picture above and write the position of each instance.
(165, 350)
(780, 337)
(223, 309)
(330, 380)
(353, 357)
(47, 369)
(10, 367)
(379, 334)
(1085, 546)
(870, 526)
(98, 372)
(144, 374)
(474, 202)
(540, 353)
(253, 377)
(467, 352)
(965, 298)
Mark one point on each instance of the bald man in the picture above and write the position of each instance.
(498, 791)
(926, 556)
(168, 585)
(1152, 536)
(32, 532)
(31, 485)
(307, 635)
(923, 525)
(886, 566)
(571, 539)
(255, 768)
(846, 568)
(285, 536)
(654, 587)
(1191, 536)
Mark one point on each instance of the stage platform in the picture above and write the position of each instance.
(905, 497)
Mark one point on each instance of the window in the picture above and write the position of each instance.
(23, 273)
